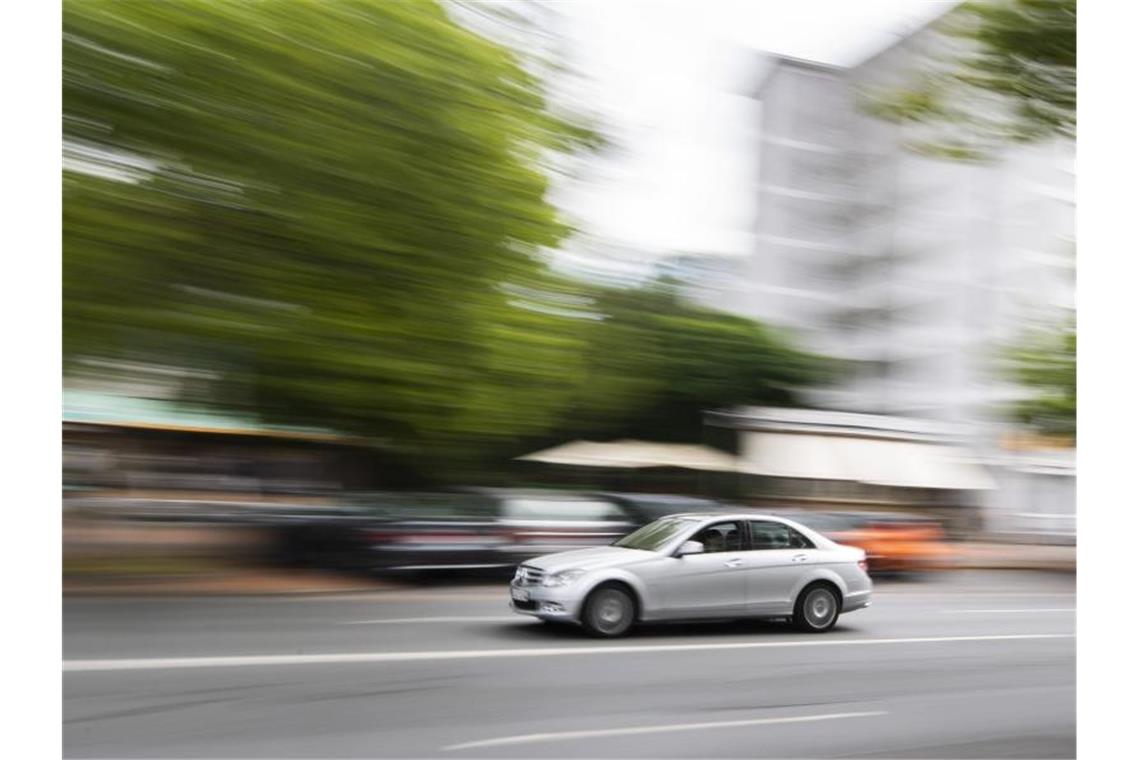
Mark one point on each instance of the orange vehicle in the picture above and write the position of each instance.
(893, 542)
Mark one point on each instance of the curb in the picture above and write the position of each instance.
(140, 592)
(1044, 567)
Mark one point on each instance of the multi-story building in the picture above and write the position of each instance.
(920, 271)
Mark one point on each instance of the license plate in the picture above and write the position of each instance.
(520, 595)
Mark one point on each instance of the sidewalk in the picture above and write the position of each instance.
(231, 582)
(984, 556)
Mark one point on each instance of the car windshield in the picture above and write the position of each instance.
(656, 534)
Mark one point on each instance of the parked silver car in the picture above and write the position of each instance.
(698, 566)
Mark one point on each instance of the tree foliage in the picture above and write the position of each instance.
(320, 202)
(337, 209)
(1011, 76)
(656, 363)
(1046, 365)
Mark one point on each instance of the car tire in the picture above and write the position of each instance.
(817, 608)
(609, 612)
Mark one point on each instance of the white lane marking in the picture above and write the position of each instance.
(967, 594)
(516, 618)
(1027, 609)
(441, 619)
(414, 597)
(632, 731)
(163, 663)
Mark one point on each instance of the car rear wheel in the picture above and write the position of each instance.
(817, 609)
(608, 612)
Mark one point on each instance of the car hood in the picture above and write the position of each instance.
(593, 558)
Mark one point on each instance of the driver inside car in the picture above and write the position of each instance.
(713, 542)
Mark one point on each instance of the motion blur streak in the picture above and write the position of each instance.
(569, 735)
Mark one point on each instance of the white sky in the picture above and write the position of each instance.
(670, 78)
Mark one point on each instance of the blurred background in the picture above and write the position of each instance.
(387, 297)
(363, 285)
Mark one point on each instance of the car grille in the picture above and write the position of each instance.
(528, 606)
(529, 576)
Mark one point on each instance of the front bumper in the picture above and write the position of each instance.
(549, 603)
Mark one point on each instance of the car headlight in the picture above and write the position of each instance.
(564, 578)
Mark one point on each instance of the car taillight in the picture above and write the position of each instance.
(863, 565)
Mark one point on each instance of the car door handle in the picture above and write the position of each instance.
(733, 563)
(799, 558)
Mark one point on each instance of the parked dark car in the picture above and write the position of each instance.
(321, 536)
(473, 530)
(415, 532)
(541, 522)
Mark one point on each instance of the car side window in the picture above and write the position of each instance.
(774, 535)
(721, 537)
(799, 540)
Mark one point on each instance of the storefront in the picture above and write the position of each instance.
(811, 459)
(144, 446)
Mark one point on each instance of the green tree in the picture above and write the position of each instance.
(1009, 75)
(1046, 365)
(338, 210)
(655, 363)
(322, 203)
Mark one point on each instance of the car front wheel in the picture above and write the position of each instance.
(608, 612)
(817, 609)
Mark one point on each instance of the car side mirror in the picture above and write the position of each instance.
(691, 547)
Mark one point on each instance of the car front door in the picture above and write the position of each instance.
(709, 584)
(779, 557)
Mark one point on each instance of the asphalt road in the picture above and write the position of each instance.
(968, 665)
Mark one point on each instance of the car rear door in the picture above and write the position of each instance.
(778, 559)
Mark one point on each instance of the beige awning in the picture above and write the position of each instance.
(635, 454)
(874, 461)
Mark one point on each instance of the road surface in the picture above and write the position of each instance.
(968, 665)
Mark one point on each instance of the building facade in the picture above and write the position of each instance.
(921, 272)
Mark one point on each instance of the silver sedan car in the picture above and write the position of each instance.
(698, 566)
